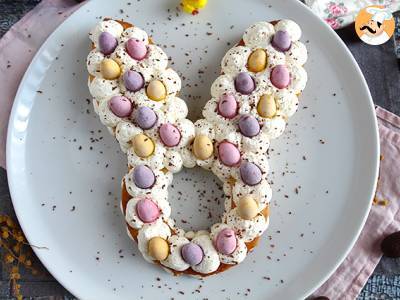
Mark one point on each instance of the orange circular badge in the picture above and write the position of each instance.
(374, 25)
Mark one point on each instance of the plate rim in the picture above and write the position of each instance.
(12, 182)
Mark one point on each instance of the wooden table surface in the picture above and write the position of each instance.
(382, 72)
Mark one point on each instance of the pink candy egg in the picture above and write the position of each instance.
(228, 154)
(280, 76)
(226, 241)
(147, 210)
(227, 106)
(170, 135)
(136, 49)
(120, 106)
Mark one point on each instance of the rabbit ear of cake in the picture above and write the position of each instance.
(135, 95)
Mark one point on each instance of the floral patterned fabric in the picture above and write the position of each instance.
(340, 13)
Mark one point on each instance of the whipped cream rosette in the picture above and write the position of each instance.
(135, 95)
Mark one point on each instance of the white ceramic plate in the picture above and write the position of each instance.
(64, 168)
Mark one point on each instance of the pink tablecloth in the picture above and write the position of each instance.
(19, 45)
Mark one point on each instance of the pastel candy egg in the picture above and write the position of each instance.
(156, 90)
(227, 106)
(143, 145)
(192, 254)
(120, 106)
(280, 76)
(228, 154)
(203, 147)
(226, 241)
(145, 117)
(147, 210)
(250, 173)
(257, 61)
(158, 248)
(266, 106)
(133, 81)
(143, 177)
(244, 83)
(110, 69)
(136, 49)
(247, 208)
(170, 135)
(249, 126)
(281, 41)
(107, 43)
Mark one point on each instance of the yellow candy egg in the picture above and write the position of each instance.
(257, 61)
(266, 107)
(110, 69)
(203, 147)
(143, 145)
(158, 248)
(247, 208)
(156, 90)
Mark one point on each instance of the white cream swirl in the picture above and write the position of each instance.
(149, 231)
(110, 26)
(155, 161)
(174, 259)
(132, 218)
(102, 88)
(236, 256)
(247, 230)
(291, 27)
(258, 35)
(210, 262)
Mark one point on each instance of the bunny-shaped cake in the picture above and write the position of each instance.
(135, 95)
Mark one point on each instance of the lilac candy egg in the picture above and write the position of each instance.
(147, 210)
(280, 76)
(244, 83)
(143, 177)
(250, 173)
(228, 154)
(226, 241)
(145, 117)
(107, 43)
(136, 49)
(249, 126)
(133, 81)
(227, 106)
(170, 135)
(281, 41)
(120, 106)
(192, 254)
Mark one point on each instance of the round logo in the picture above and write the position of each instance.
(374, 25)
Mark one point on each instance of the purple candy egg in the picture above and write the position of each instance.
(143, 177)
(145, 117)
(192, 254)
(226, 241)
(250, 173)
(170, 135)
(228, 154)
(280, 76)
(281, 41)
(227, 106)
(120, 106)
(107, 43)
(249, 126)
(147, 210)
(136, 49)
(244, 83)
(133, 81)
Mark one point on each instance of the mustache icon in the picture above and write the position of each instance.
(368, 28)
